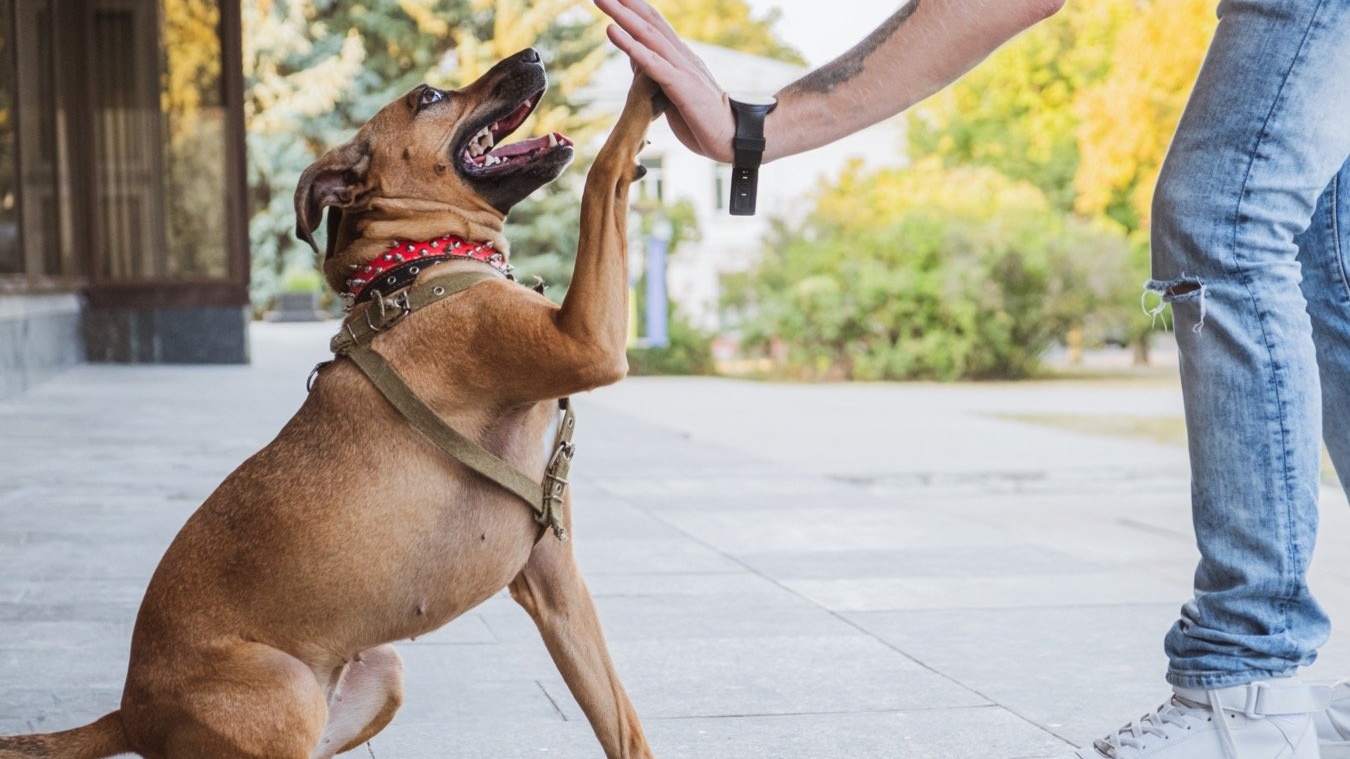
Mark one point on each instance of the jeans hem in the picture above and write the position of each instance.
(1218, 680)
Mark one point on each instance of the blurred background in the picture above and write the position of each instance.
(937, 498)
(149, 152)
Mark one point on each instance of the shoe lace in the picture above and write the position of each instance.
(1163, 722)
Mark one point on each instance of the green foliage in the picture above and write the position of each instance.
(317, 69)
(306, 280)
(689, 352)
(543, 232)
(690, 349)
(928, 273)
(729, 23)
(1082, 106)
(1016, 112)
(1128, 117)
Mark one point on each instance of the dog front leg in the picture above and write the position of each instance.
(542, 351)
(555, 596)
(595, 311)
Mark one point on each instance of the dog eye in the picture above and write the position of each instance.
(429, 96)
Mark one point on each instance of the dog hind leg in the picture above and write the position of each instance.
(367, 695)
(246, 701)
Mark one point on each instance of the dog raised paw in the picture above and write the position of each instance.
(645, 99)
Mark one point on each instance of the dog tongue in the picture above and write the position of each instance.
(526, 146)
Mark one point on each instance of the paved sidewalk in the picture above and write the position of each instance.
(783, 571)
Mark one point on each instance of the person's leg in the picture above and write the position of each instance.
(1324, 252)
(1266, 129)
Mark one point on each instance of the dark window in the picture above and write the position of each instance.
(44, 163)
(127, 140)
(114, 164)
(194, 139)
(653, 185)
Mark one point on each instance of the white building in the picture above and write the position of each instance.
(732, 244)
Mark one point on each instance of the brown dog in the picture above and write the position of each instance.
(265, 631)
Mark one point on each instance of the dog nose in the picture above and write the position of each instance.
(529, 55)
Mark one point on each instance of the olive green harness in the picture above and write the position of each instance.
(361, 326)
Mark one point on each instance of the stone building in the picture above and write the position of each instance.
(123, 217)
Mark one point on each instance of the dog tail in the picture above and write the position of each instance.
(103, 738)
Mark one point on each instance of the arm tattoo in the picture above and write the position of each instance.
(848, 65)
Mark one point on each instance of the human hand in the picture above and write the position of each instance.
(698, 113)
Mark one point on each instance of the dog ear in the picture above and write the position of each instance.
(334, 222)
(336, 180)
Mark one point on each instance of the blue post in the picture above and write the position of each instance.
(657, 306)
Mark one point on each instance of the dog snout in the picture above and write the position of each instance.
(529, 55)
(527, 58)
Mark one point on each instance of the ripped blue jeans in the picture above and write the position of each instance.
(1250, 247)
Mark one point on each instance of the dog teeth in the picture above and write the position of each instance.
(552, 140)
(481, 142)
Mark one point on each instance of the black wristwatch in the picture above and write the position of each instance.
(748, 149)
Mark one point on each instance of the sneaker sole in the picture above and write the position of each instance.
(1340, 750)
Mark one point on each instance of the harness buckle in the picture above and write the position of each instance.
(314, 374)
(391, 310)
(555, 486)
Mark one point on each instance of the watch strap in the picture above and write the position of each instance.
(748, 153)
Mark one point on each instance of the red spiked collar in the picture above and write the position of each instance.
(398, 266)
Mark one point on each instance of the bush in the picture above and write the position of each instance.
(299, 280)
(689, 352)
(928, 273)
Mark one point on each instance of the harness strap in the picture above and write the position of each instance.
(544, 499)
(380, 313)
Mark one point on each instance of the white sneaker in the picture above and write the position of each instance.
(1270, 719)
(1333, 725)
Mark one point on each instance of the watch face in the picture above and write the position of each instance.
(753, 99)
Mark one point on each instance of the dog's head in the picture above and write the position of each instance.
(430, 163)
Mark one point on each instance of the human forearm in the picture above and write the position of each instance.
(920, 49)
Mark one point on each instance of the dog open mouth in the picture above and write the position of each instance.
(484, 155)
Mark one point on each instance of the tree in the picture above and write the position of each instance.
(928, 272)
(1016, 112)
(1128, 117)
(316, 69)
(729, 23)
(543, 228)
(309, 82)
(1127, 120)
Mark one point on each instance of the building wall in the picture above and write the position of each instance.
(39, 337)
(123, 228)
(167, 335)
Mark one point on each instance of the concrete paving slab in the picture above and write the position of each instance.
(46, 709)
(889, 430)
(709, 677)
(1075, 671)
(1074, 589)
(974, 732)
(782, 570)
(923, 561)
(827, 526)
(730, 588)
